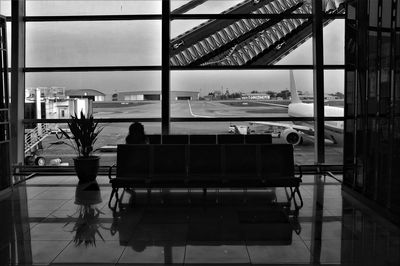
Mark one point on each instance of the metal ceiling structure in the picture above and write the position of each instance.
(247, 41)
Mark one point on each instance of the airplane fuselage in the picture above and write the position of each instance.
(333, 129)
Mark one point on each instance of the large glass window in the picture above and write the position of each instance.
(105, 57)
(9, 43)
(334, 42)
(5, 7)
(241, 42)
(115, 94)
(55, 152)
(93, 43)
(92, 7)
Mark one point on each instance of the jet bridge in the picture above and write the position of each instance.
(252, 41)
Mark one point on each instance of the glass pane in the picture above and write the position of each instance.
(245, 7)
(9, 43)
(334, 106)
(303, 153)
(334, 86)
(334, 42)
(92, 43)
(386, 14)
(217, 89)
(109, 94)
(55, 152)
(5, 7)
(239, 42)
(237, 7)
(91, 7)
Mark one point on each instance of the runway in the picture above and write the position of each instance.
(115, 133)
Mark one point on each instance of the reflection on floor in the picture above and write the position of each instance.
(51, 220)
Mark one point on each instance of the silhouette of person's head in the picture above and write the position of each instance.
(136, 134)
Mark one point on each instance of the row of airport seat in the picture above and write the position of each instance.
(204, 166)
(211, 139)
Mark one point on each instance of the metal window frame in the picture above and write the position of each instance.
(19, 70)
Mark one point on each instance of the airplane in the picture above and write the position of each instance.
(300, 130)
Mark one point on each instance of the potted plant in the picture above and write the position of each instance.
(84, 133)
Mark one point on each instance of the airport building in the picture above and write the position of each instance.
(205, 197)
(155, 96)
(93, 95)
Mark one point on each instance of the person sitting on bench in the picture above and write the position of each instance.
(136, 134)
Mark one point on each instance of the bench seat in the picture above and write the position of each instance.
(245, 166)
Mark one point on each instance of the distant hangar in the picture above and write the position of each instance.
(155, 96)
(94, 95)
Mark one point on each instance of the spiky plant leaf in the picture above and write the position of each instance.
(84, 131)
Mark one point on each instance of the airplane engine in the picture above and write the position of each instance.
(291, 136)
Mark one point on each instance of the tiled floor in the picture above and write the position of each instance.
(51, 220)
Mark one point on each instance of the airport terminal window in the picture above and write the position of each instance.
(92, 7)
(114, 94)
(9, 43)
(93, 43)
(5, 7)
(55, 153)
(334, 42)
(287, 42)
(209, 7)
(130, 85)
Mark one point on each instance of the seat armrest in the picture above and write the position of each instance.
(110, 170)
(300, 171)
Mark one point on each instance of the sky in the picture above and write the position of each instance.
(139, 43)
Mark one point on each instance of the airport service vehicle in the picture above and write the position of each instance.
(239, 129)
(35, 157)
(299, 130)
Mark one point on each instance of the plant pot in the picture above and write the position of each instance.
(86, 168)
(87, 194)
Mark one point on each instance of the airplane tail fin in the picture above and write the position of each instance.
(293, 91)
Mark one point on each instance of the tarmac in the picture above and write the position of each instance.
(115, 133)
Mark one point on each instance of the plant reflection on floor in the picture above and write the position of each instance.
(87, 224)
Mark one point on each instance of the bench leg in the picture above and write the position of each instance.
(113, 192)
(297, 191)
(111, 196)
(293, 197)
(117, 199)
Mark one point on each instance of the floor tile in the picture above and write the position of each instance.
(32, 192)
(53, 231)
(95, 252)
(58, 193)
(296, 252)
(44, 205)
(144, 252)
(44, 252)
(216, 252)
(154, 232)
